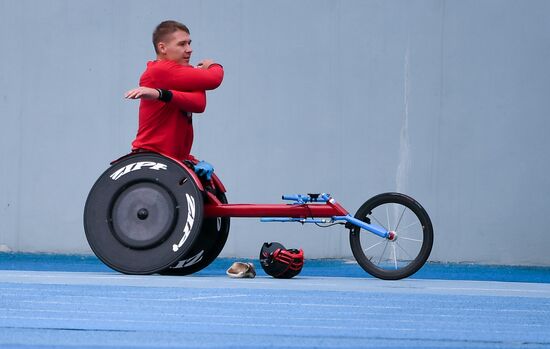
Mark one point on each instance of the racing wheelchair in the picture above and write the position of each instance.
(149, 213)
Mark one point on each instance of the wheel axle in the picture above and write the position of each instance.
(392, 236)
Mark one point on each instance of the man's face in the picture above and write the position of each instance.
(177, 47)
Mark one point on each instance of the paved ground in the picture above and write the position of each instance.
(104, 309)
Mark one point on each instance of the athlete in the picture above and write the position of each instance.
(171, 90)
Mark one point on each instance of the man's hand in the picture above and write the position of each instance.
(204, 169)
(205, 63)
(142, 92)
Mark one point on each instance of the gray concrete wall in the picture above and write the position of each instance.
(444, 100)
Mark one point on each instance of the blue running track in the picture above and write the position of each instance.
(75, 302)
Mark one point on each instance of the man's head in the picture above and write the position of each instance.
(172, 41)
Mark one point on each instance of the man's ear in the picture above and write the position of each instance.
(161, 47)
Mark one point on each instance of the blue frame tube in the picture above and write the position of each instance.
(291, 219)
(383, 233)
(369, 227)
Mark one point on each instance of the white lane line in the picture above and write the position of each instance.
(116, 294)
(381, 312)
(348, 327)
(205, 299)
(84, 276)
(216, 297)
(172, 323)
(498, 290)
(254, 317)
(123, 298)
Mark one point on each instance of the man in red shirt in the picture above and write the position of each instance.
(170, 91)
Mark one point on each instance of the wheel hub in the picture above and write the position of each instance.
(143, 215)
(392, 235)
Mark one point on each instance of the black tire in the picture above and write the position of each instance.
(399, 258)
(143, 214)
(207, 247)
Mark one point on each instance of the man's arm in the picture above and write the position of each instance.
(174, 76)
(194, 102)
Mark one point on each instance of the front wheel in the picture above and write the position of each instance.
(410, 244)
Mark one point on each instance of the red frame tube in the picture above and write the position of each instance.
(274, 210)
(214, 208)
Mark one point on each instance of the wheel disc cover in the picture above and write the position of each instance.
(143, 215)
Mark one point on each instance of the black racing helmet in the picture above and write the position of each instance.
(279, 262)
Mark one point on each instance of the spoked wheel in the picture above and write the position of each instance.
(207, 247)
(410, 242)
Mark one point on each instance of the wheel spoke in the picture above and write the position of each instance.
(388, 217)
(394, 255)
(400, 217)
(381, 224)
(409, 239)
(384, 251)
(402, 249)
(410, 225)
(366, 249)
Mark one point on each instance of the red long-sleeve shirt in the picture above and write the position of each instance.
(167, 128)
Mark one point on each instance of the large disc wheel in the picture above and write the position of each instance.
(143, 214)
(410, 241)
(207, 247)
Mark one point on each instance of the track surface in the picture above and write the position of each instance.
(104, 309)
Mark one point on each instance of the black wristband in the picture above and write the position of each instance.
(165, 95)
